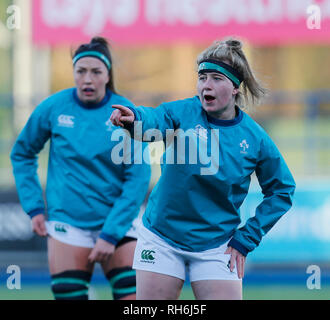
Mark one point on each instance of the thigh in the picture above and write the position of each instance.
(120, 265)
(156, 286)
(63, 257)
(122, 257)
(217, 289)
(212, 264)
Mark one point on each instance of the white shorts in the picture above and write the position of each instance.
(154, 254)
(74, 236)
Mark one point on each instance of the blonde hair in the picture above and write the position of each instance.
(230, 51)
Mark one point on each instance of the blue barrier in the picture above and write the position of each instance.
(302, 234)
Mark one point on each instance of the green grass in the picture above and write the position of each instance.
(282, 292)
(275, 292)
(102, 292)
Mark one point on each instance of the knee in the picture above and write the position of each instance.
(71, 285)
(122, 282)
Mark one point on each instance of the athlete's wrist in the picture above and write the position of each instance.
(238, 246)
(36, 212)
(130, 125)
(106, 237)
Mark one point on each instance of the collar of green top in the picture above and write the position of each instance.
(212, 65)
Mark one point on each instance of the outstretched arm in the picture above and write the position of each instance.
(152, 123)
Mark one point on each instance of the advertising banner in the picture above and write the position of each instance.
(302, 234)
(128, 22)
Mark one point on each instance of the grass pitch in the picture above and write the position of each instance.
(255, 292)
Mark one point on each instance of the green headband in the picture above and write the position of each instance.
(209, 66)
(95, 54)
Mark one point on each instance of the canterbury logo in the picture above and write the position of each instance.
(60, 228)
(65, 121)
(147, 255)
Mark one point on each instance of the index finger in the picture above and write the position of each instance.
(92, 257)
(42, 229)
(240, 262)
(120, 107)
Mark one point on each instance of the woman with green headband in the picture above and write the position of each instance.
(92, 200)
(192, 223)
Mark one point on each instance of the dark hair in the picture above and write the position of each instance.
(101, 45)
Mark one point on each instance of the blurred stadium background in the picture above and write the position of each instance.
(155, 45)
